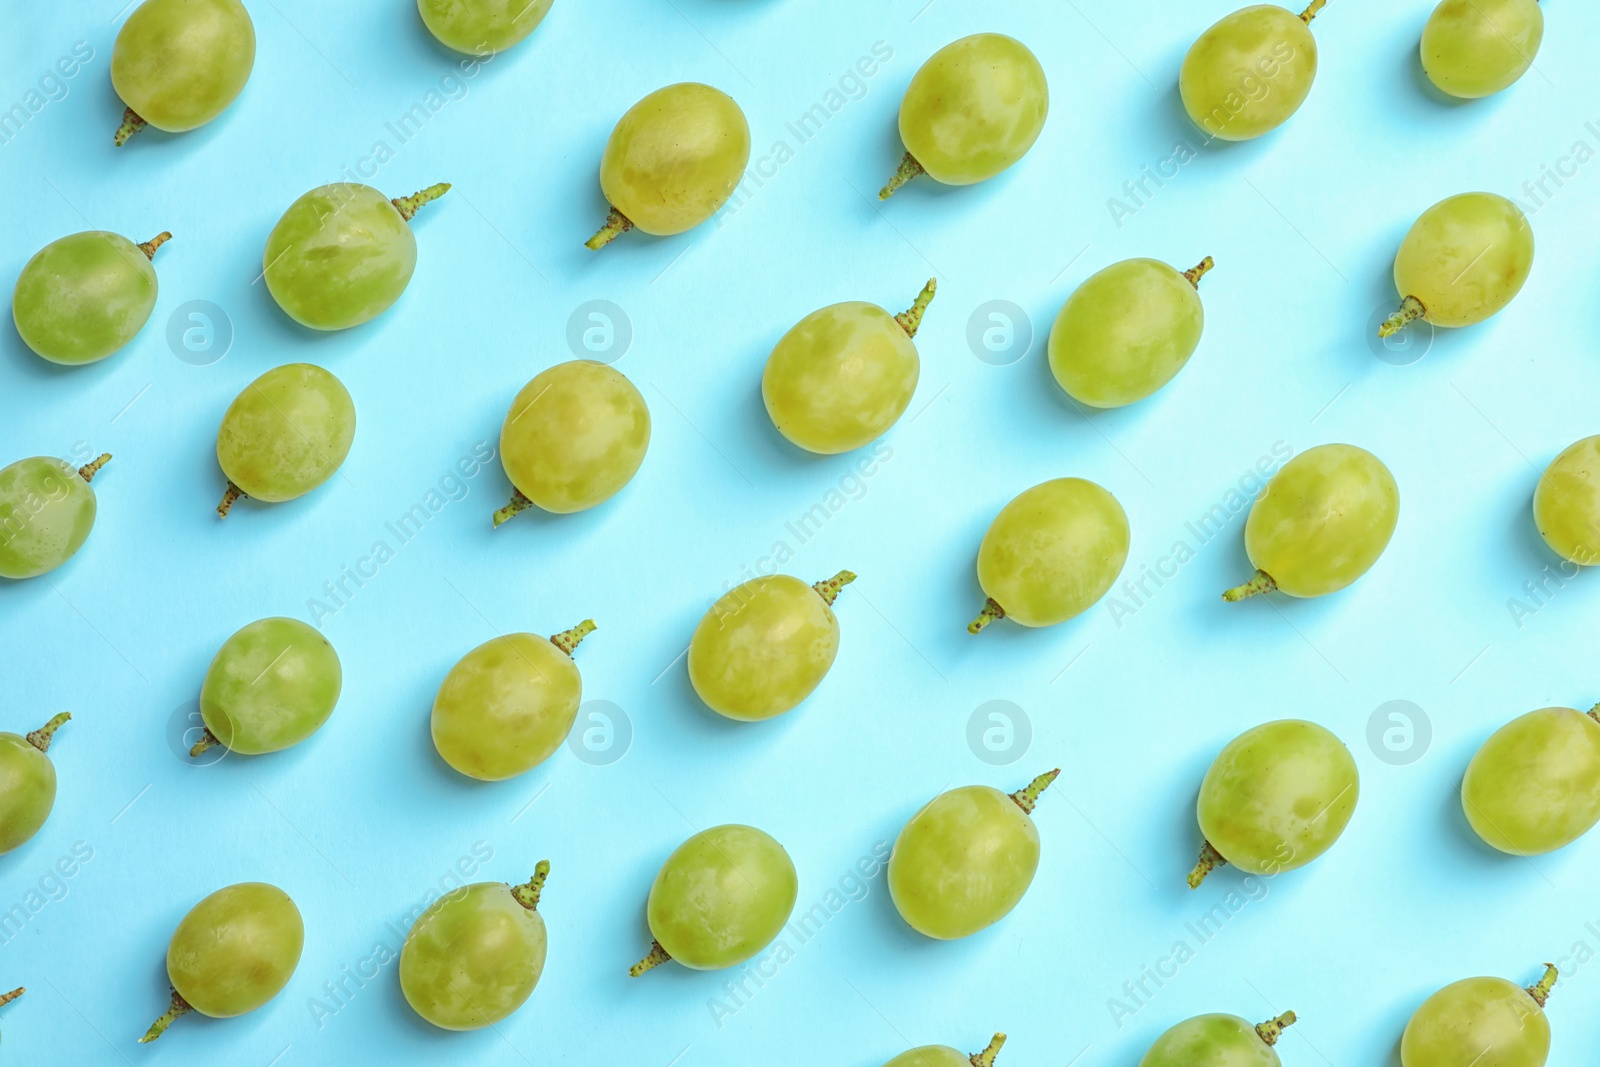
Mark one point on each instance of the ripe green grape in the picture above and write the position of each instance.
(672, 161)
(85, 296)
(1566, 505)
(475, 955)
(1474, 48)
(1461, 262)
(1487, 1022)
(945, 1056)
(343, 253)
(509, 704)
(1250, 72)
(232, 953)
(965, 860)
(765, 645)
(1276, 798)
(719, 899)
(178, 64)
(284, 435)
(1323, 521)
(1051, 553)
(574, 436)
(843, 375)
(27, 783)
(972, 110)
(1219, 1041)
(482, 27)
(1127, 331)
(271, 685)
(1534, 786)
(46, 512)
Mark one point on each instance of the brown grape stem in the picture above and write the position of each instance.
(131, 124)
(518, 503)
(408, 206)
(986, 1057)
(1541, 992)
(1261, 583)
(1198, 271)
(1272, 1029)
(206, 743)
(1027, 798)
(911, 317)
(656, 958)
(527, 894)
(991, 611)
(1411, 310)
(829, 590)
(567, 640)
(1210, 860)
(179, 1007)
(40, 738)
(89, 470)
(616, 225)
(232, 494)
(1594, 713)
(149, 247)
(1311, 11)
(7, 998)
(909, 168)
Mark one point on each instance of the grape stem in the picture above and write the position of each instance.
(1261, 583)
(149, 247)
(1311, 11)
(1272, 1029)
(1028, 797)
(986, 1057)
(89, 470)
(131, 124)
(408, 206)
(518, 503)
(909, 168)
(1411, 310)
(911, 317)
(40, 738)
(528, 894)
(179, 1007)
(1541, 992)
(1594, 713)
(209, 741)
(616, 225)
(232, 494)
(7, 998)
(1210, 860)
(829, 590)
(1198, 271)
(991, 611)
(567, 640)
(656, 958)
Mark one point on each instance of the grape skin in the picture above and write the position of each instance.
(1462, 261)
(1218, 1041)
(1475, 48)
(285, 434)
(1248, 73)
(270, 686)
(85, 296)
(178, 64)
(1534, 786)
(945, 1056)
(482, 27)
(47, 511)
(1566, 504)
(27, 784)
(1483, 1021)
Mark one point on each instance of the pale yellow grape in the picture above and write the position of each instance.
(1463, 260)
(1219, 1041)
(27, 783)
(285, 434)
(482, 27)
(178, 64)
(1474, 48)
(945, 1056)
(1566, 504)
(85, 296)
(1534, 786)
(1481, 1022)
(47, 510)
(1250, 72)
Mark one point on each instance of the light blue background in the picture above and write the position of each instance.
(359, 823)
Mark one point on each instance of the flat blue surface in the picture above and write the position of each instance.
(363, 822)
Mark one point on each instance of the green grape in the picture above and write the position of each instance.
(945, 1056)
(1250, 72)
(1534, 786)
(284, 435)
(672, 161)
(178, 64)
(482, 27)
(1474, 48)
(1481, 1022)
(1051, 553)
(719, 899)
(1276, 798)
(972, 110)
(1323, 521)
(574, 436)
(965, 860)
(475, 955)
(27, 783)
(1461, 262)
(1566, 505)
(232, 953)
(271, 685)
(765, 645)
(844, 374)
(509, 704)
(1219, 1041)
(1127, 331)
(83, 297)
(46, 512)
(343, 253)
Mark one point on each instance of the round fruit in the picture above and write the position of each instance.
(178, 64)
(1487, 1022)
(284, 435)
(1461, 262)
(1218, 1041)
(1474, 48)
(1250, 72)
(945, 1056)
(1566, 505)
(482, 27)
(27, 783)
(46, 512)
(271, 685)
(83, 297)
(1534, 786)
